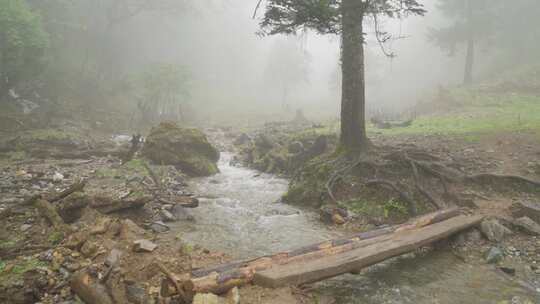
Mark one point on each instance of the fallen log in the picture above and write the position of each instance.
(90, 291)
(76, 187)
(108, 205)
(224, 277)
(386, 247)
(56, 196)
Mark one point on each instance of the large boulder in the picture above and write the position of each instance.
(186, 149)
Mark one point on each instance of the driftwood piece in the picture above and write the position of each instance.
(108, 205)
(89, 290)
(224, 277)
(173, 279)
(76, 187)
(379, 249)
(48, 211)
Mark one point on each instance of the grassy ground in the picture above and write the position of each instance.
(477, 113)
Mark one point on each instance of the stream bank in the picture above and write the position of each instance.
(238, 216)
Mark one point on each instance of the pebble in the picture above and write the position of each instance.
(25, 227)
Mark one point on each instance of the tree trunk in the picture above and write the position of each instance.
(469, 61)
(353, 127)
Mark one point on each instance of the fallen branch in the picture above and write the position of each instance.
(173, 279)
(107, 205)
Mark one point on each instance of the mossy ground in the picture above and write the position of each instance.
(133, 167)
(13, 274)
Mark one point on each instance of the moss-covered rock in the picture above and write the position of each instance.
(186, 149)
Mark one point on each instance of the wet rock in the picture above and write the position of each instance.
(186, 149)
(25, 227)
(102, 226)
(57, 177)
(135, 293)
(113, 257)
(89, 249)
(206, 298)
(76, 240)
(159, 227)
(494, 230)
(528, 225)
(494, 255)
(144, 246)
(167, 216)
(129, 230)
(182, 214)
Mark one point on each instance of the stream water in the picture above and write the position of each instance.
(240, 214)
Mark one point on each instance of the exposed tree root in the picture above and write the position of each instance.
(403, 196)
(516, 178)
(427, 177)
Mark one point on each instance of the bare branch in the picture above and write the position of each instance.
(256, 9)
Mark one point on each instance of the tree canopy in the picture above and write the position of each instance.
(22, 43)
(325, 16)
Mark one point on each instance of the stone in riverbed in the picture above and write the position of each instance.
(144, 246)
(182, 214)
(186, 149)
(494, 230)
(494, 255)
(528, 225)
(167, 216)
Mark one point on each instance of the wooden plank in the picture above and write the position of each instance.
(224, 277)
(388, 247)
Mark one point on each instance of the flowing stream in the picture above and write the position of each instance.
(240, 214)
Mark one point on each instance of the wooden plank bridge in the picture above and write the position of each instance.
(324, 260)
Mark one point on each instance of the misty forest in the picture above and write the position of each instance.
(270, 151)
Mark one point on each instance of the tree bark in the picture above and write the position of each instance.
(469, 60)
(353, 127)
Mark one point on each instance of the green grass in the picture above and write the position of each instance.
(479, 113)
(7, 244)
(55, 237)
(370, 208)
(15, 274)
